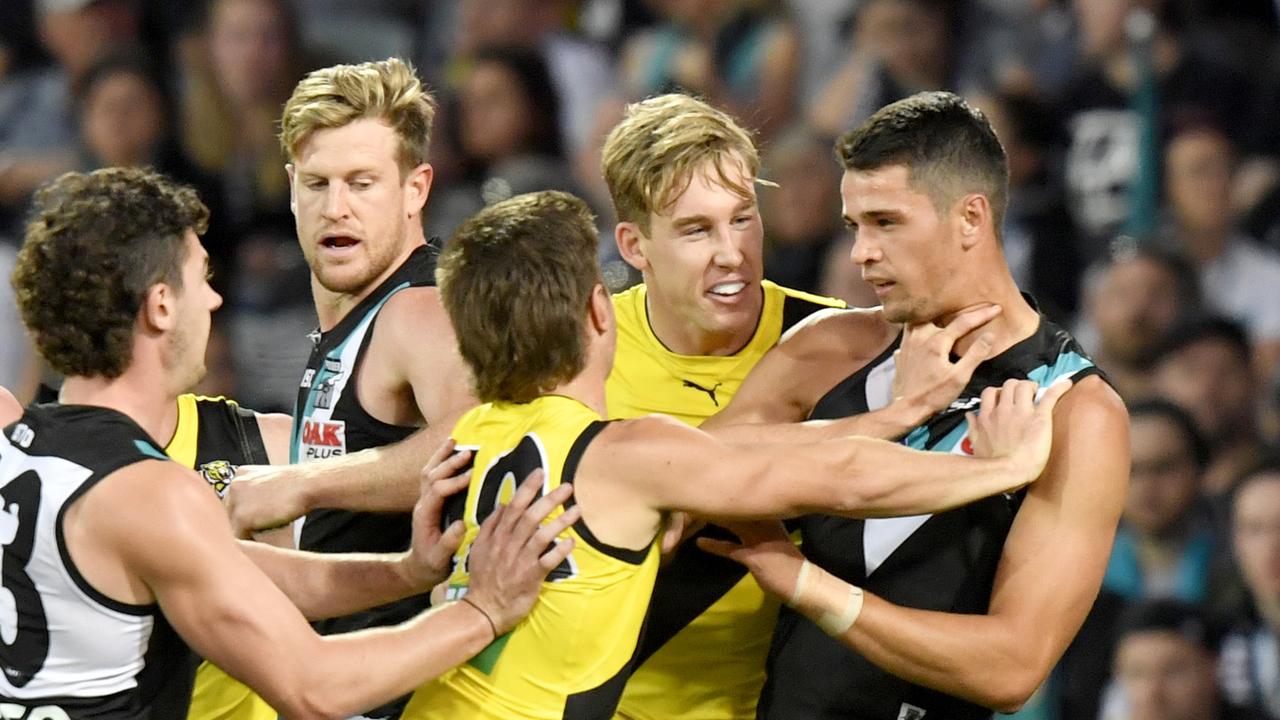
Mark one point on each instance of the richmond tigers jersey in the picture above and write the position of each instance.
(67, 651)
(569, 657)
(703, 652)
(944, 562)
(214, 436)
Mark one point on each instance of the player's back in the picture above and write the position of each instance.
(571, 655)
(71, 651)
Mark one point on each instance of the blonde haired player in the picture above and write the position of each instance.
(535, 325)
(683, 176)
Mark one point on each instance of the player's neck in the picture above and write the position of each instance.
(685, 338)
(587, 390)
(1016, 322)
(332, 306)
(135, 394)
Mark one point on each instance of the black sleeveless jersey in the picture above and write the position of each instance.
(67, 650)
(329, 421)
(944, 562)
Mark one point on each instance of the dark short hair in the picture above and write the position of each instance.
(1165, 409)
(1125, 249)
(516, 280)
(95, 243)
(1171, 616)
(947, 146)
(1198, 327)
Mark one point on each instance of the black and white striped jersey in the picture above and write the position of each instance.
(67, 651)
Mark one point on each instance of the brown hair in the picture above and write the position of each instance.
(947, 146)
(516, 280)
(651, 156)
(387, 90)
(94, 245)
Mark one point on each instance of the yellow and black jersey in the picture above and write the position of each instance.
(213, 437)
(571, 655)
(708, 632)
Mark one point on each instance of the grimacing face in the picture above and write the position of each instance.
(703, 264)
(351, 205)
(902, 243)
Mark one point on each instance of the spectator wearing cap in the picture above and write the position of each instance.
(1164, 666)
(1205, 368)
(1249, 668)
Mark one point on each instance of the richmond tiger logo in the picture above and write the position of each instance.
(218, 474)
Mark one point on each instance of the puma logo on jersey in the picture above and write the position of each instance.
(965, 403)
(323, 439)
(711, 392)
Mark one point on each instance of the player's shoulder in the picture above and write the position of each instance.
(839, 334)
(10, 408)
(1093, 403)
(413, 311)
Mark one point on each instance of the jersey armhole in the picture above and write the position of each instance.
(73, 571)
(567, 475)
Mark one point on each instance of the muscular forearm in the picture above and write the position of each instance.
(358, 671)
(887, 423)
(384, 479)
(877, 478)
(978, 658)
(332, 585)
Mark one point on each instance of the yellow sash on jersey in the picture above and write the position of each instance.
(712, 669)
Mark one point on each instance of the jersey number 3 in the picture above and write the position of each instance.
(24, 632)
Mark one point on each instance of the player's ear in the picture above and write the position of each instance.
(159, 308)
(600, 309)
(293, 194)
(628, 236)
(418, 187)
(974, 213)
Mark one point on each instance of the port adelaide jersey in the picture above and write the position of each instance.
(67, 651)
(944, 561)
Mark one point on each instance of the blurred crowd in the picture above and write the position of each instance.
(1144, 157)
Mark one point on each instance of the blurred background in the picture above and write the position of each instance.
(1143, 139)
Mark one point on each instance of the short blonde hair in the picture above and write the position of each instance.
(651, 156)
(336, 96)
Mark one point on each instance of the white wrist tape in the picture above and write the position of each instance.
(818, 589)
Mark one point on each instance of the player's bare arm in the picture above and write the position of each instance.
(1067, 520)
(332, 585)
(152, 532)
(820, 353)
(10, 408)
(276, 430)
(412, 374)
(638, 467)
